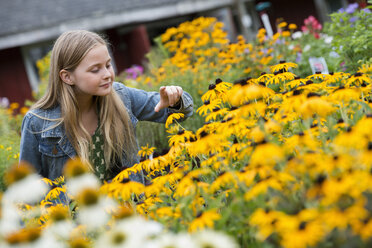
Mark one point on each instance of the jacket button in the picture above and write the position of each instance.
(55, 151)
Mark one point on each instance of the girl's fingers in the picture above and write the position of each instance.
(172, 96)
(179, 91)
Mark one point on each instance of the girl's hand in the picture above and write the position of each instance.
(169, 96)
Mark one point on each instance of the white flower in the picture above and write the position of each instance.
(77, 184)
(116, 238)
(333, 54)
(307, 48)
(214, 239)
(11, 220)
(132, 232)
(327, 39)
(43, 241)
(297, 35)
(60, 229)
(28, 190)
(94, 216)
(141, 227)
(181, 240)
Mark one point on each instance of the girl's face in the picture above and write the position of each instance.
(94, 75)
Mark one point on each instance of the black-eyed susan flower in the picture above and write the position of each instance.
(365, 68)
(225, 180)
(216, 113)
(209, 106)
(146, 151)
(171, 118)
(345, 95)
(283, 66)
(297, 81)
(300, 233)
(204, 220)
(358, 79)
(265, 220)
(182, 136)
(316, 105)
(211, 94)
(317, 75)
(334, 77)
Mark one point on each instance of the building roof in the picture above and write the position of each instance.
(24, 22)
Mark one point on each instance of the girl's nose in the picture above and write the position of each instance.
(107, 73)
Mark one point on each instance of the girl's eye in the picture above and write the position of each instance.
(95, 70)
(108, 65)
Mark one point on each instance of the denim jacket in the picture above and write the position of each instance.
(46, 147)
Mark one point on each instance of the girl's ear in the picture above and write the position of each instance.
(66, 77)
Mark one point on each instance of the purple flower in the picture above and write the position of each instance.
(351, 8)
(342, 10)
(299, 57)
(134, 71)
(353, 19)
(366, 10)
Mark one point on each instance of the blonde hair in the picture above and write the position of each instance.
(119, 139)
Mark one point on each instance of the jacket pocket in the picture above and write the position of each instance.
(50, 147)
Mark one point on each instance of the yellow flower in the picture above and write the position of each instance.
(18, 172)
(146, 151)
(123, 211)
(211, 94)
(74, 168)
(23, 236)
(203, 220)
(292, 26)
(209, 106)
(316, 105)
(345, 95)
(282, 25)
(358, 79)
(224, 180)
(283, 66)
(286, 33)
(181, 137)
(297, 81)
(366, 68)
(88, 197)
(14, 105)
(304, 234)
(265, 220)
(123, 190)
(58, 213)
(79, 242)
(334, 77)
(23, 110)
(54, 193)
(216, 113)
(172, 117)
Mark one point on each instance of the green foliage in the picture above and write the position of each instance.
(9, 141)
(352, 37)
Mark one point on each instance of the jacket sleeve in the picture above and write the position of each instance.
(29, 147)
(143, 104)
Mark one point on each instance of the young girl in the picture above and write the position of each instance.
(84, 113)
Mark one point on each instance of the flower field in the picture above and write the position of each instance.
(274, 156)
